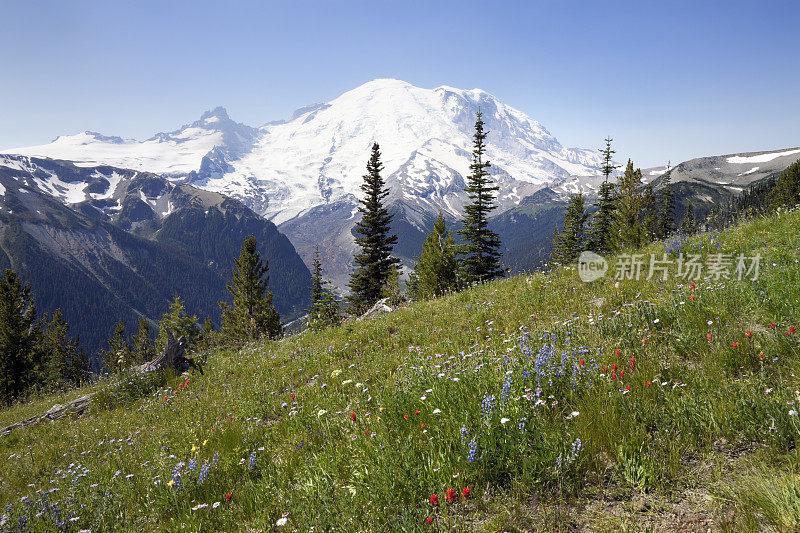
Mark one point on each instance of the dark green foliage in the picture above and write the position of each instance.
(252, 315)
(316, 280)
(118, 356)
(18, 337)
(665, 217)
(787, 188)
(627, 230)
(568, 243)
(214, 238)
(391, 290)
(191, 254)
(375, 261)
(61, 358)
(436, 271)
(688, 224)
(600, 231)
(481, 249)
(753, 201)
(178, 323)
(143, 347)
(324, 311)
(527, 230)
(649, 215)
(34, 353)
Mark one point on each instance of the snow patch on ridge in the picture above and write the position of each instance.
(761, 158)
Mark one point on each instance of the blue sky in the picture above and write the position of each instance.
(668, 80)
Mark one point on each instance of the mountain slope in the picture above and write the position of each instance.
(561, 405)
(105, 244)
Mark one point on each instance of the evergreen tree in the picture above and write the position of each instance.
(600, 231)
(436, 271)
(787, 189)
(118, 355)
(391, 290)
(482, 247)
(144, 349)
(252, 315)
(568, 244)
(666, 208)
(688, 224)
(317, 283)
(18, 336)
(179, 323)
(649, 217)
(324, 310)
(374, 262)
(62, 360)
(626, 227)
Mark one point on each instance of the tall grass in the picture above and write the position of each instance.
(500, 389)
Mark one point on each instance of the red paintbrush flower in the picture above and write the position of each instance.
(429, 520)
(450, 496)
(353, 417)
(434, 499)
(465, 493)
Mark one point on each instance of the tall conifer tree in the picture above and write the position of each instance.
(61, 359)
(18, 336)
(627, 228)
(252, 315)
(316, 280)
(568, 243)
(666, 208)
(324, 309)
(482, 247)
(374, 262)
(436, 271)
(117, 356)
(144, 349)
(688, 223)
(600, 231)
(787, 189)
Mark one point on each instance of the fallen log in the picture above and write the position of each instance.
(172, 356)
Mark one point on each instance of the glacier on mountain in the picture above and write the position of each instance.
(285, 168)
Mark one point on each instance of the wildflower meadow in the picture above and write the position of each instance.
(537, 402)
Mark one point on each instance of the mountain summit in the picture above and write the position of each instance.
(284, 169)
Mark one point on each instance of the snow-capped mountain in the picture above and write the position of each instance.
(284, 169)
(197, 149)
(304, 173)
(107, 244)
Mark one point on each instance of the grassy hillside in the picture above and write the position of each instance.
(505, 389)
